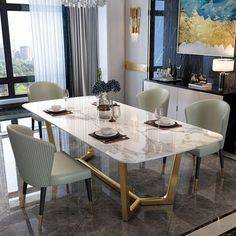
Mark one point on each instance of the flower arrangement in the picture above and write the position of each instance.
(101, 87)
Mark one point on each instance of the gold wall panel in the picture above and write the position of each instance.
(136, 67)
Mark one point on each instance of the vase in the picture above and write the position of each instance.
(103, 99)
(103, 106)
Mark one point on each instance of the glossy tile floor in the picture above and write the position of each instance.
(72, 215)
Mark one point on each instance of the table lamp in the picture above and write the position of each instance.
(222, 66)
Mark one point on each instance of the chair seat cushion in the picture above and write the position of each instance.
(65, 170)
(206, 150)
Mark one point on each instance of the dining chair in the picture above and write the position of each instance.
(151, 99)
(40, 165)
(211, 114)
(40, 91)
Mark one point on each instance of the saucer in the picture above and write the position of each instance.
(99, 134)
(55, 111)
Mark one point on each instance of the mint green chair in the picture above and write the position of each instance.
(154, 98)
(40, 165)
(41, 91)
(211, 114)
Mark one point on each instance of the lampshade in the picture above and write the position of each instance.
(223, 65)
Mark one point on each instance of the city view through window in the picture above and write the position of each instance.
(3, 72)
(21, 43)
(20, 54)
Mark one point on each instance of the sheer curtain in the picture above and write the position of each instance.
(48, 41)
(81, 30)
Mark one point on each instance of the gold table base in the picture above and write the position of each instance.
(125, 194)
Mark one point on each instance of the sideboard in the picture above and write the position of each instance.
(181, 97)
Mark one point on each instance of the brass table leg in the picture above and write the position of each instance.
(124, 191)
(50, 133)
(130, 202)
(51, 140)
(169, 197)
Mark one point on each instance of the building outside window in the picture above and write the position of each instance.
(16, 54)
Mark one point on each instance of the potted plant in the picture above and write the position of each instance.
(102, 89)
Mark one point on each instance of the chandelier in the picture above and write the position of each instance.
(84, 3)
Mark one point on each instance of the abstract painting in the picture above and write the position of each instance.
(207, 27)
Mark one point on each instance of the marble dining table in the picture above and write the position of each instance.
(144, 143)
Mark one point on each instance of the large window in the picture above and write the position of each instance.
(16, 54)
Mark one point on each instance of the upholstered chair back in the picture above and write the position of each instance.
(153, 98)
(211, 114)
(43, 90)
(34, 157)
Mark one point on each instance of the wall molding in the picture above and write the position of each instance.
(136, 67)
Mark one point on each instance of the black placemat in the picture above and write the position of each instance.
(118, 137)
(152, 123)
(58, 113)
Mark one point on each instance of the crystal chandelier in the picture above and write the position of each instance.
(84, 3)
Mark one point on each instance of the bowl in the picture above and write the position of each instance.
(56, 107)
(107, 131)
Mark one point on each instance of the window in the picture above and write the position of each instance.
(21, 44)
(156, 36)
(16, 54)
(3, 72)
(158, 43)
(18, 1)
(163, 36)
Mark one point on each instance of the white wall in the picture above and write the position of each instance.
(116, 43)
(112, 43)
(135, 51)
(102, 41)
(117, 46)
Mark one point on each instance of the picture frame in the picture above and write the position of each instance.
(206, 28)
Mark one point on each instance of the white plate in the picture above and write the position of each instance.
(166, 124)
(100, 134)
(55, 111)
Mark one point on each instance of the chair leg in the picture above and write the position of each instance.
(194, 160)
(142, 165)
(198, 163)
(41, 207)
(32, 123)
(67, 188)
(163, 165)
(40, 129)
(221, 163)
(22, 202)
(89, 189)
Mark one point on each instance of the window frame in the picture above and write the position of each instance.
(10, 80)
(153, 14)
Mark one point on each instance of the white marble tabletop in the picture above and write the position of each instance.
(145, 142)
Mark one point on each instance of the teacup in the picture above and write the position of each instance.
(107, 131)
(164, 121)
(55, 107)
